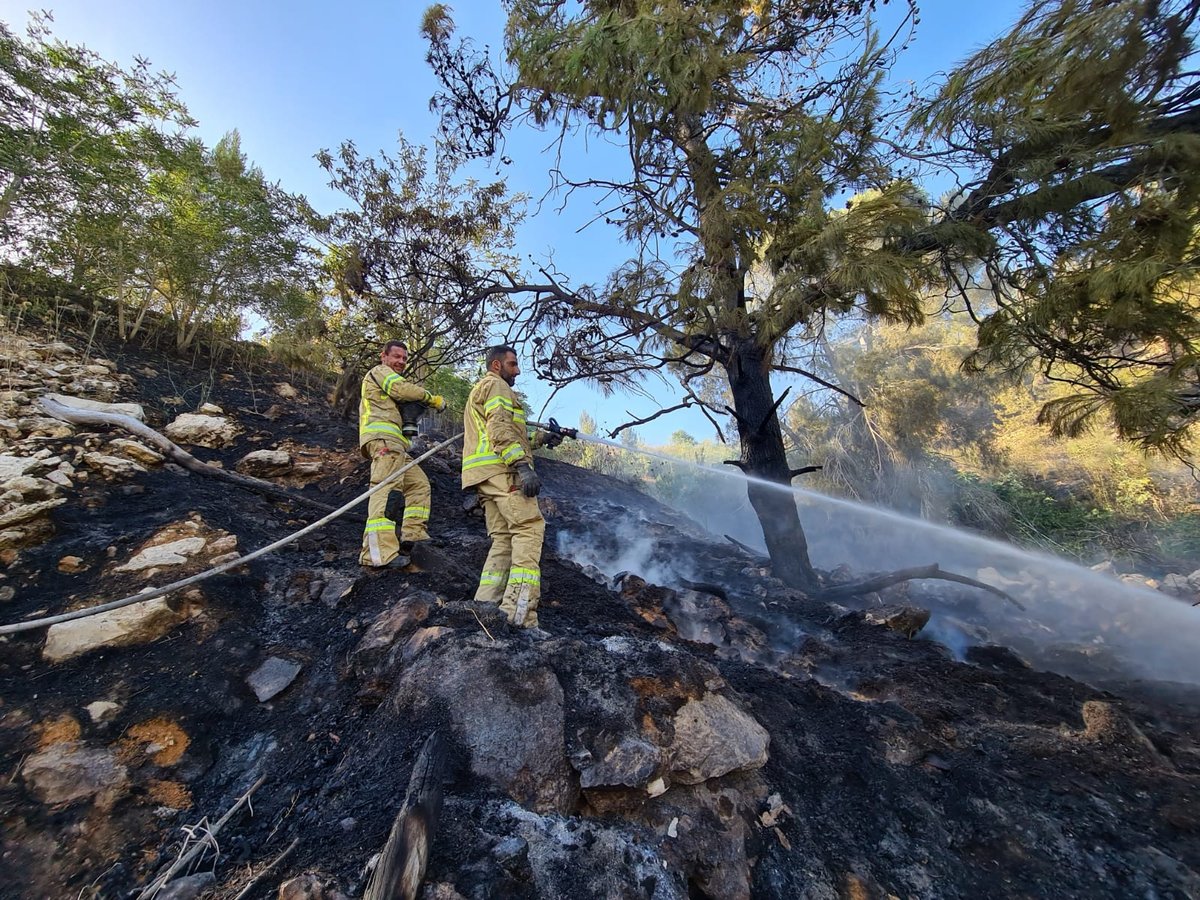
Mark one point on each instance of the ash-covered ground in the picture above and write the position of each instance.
(710, 733)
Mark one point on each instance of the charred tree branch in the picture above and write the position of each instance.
(879, 582)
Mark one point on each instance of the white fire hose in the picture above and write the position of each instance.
(150, 594)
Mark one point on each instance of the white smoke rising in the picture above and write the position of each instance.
(629, 549)
(1077, 622)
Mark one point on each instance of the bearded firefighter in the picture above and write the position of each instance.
(498, 464)
(384, 437)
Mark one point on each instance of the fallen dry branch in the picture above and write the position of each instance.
(150, 594)
(402, 862)
(879, 582)
(159, 882)
(267, 870)
(741, 546)
(79, 416)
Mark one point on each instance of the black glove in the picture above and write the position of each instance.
(531, 485)
(551, 439)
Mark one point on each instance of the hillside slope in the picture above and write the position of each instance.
(721, 738)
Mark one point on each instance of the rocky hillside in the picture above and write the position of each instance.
(723, 737)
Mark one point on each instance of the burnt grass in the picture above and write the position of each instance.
(905, 772)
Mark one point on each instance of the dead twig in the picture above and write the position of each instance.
(267, 870)
(158, 883)
(879, 582)
(481, 625)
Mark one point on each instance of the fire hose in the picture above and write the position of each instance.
(151, 594)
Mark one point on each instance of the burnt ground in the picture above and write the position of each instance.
(899, 770)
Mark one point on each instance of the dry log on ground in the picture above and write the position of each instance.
(78, 416)
(879, 582)
(404, 857)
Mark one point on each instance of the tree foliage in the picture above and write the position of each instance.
(743, 122)
(75, 132)
(407, 254)
(1081, 131)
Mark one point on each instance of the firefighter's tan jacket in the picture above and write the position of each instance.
(495, 436)
(383, 390)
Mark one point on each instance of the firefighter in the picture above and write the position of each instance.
(382, 440)
(498, 463)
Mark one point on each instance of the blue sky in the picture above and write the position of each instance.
(296, 77)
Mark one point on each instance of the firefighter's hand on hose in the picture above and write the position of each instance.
(436, 401)
(549, 439)
(531, 485)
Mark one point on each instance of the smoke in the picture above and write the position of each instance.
(1077, 622)
(624, 546)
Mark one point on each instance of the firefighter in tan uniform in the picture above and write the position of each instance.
(498, 463)
(381, 439)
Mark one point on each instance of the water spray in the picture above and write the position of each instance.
(554, 428)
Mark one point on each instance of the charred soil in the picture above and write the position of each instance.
(719, 736)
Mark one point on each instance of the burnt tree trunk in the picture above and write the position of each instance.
(402, 861)
(763, 456)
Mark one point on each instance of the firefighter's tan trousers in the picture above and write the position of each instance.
(380, 545)
(511, 574)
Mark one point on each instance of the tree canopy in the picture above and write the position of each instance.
(1079, 133)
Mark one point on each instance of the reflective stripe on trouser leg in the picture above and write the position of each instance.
(525, 581)
(524, 587)
(415, 485)
(380, 543)
(494, 578)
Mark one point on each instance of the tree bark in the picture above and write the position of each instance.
(402, 861)
(764, 457)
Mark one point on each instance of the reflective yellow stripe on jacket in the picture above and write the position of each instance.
(495, 431)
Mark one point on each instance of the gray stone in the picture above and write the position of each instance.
(631, 762)
(380, 647)
(272, 677)
(66, 773)
(187, 888)
(713, 737)
(1177, 586)
(508, 712)
(905, 620)
(265, 463)
(286, 391)
(697, 616)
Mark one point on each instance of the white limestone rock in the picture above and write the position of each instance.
(173, 553)
(136, 451)
(138, 623)
(202, 430)
(112, 467)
